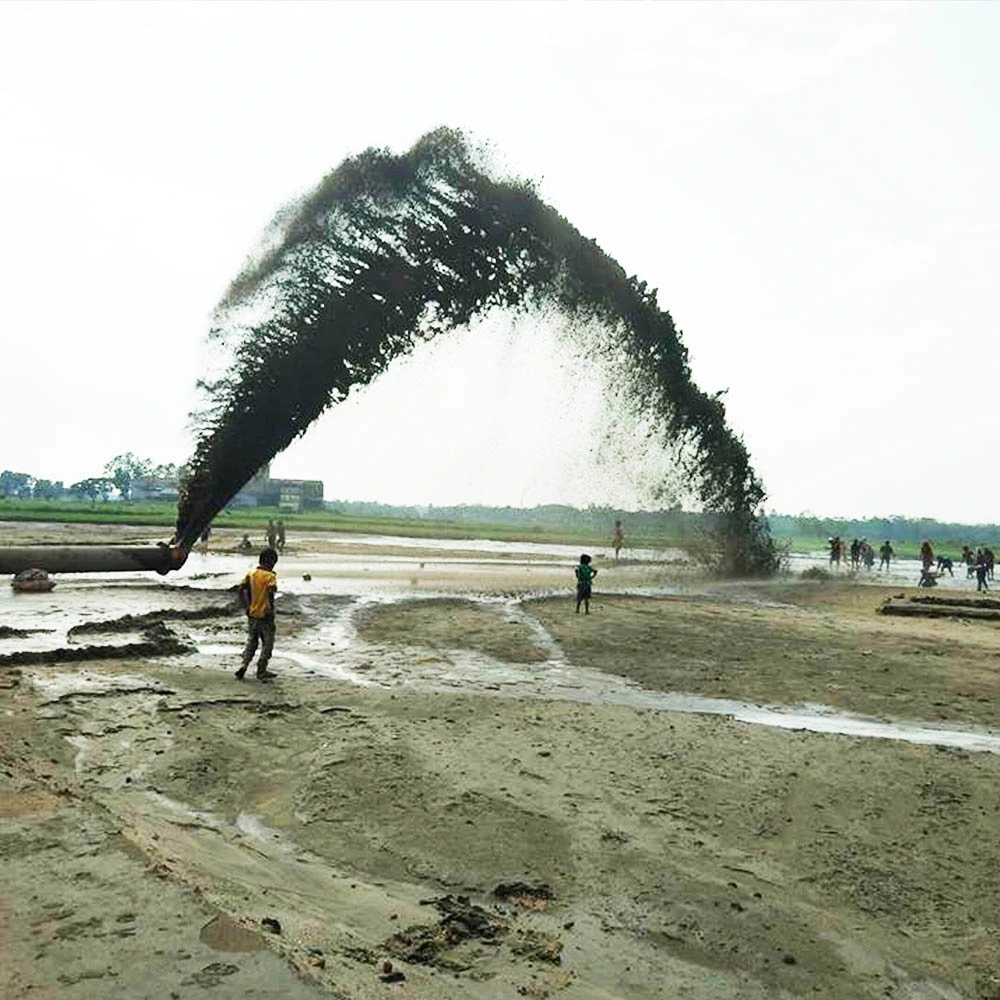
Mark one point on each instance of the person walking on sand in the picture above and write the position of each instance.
(272, 533)
(281, 536)
(618, 539)
(585, 574)
(256, 594)
(886, 553)
(982, 569)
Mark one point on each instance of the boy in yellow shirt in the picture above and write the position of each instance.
(256, 594)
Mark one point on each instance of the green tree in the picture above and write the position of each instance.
(45, 489)
(97, 488)
(165, 471)
(123, 470)
(15, 484)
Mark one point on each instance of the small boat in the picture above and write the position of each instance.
(32, 581)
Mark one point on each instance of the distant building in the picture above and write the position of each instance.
(155, 488)
(290, 495)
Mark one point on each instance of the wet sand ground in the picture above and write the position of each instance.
(440, 730)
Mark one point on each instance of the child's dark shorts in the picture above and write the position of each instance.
(583, 591)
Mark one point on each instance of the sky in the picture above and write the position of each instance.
(811, 187)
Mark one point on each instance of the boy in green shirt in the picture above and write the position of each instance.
(585, 573)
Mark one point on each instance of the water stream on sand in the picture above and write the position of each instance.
(330, 647)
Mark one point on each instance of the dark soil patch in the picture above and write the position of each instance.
(158, 640)
(139, 623)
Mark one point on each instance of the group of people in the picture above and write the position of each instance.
(979, 562)
(860, 552)
(274, 535)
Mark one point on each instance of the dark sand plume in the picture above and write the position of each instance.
(389, 250)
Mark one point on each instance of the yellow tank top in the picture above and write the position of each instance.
(260, 582)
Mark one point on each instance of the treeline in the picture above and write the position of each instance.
(597, 520)
(675, 523)
(120, 474)
(896, 529)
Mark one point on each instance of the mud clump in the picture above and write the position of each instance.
(223, 934)
(526, 895)
(158, 640)
(141, 623)
(536, 946)
(7, 632)
(461, 920)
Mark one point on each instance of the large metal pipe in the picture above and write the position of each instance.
(91, 558)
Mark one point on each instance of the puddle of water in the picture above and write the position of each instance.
(178, 812)
(82, 746)
(251, 826)
(571, 552)
(309, 664)
(822, 720)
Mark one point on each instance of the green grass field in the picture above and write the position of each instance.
(254, 521)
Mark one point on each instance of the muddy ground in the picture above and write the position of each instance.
(440, 730)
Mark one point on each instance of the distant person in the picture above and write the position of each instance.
(272, 534)
(886, 553)
(855, 554)
(618, 539)
(585, 574)
(969, 559)
(204, 537)
(982, 571)
(256, 594)
(281, 536)
(944, 563)
(990, 560)
(926, 554)
(867, 555)
(245, 544)
(835, 550)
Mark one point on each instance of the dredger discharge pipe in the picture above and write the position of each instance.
(92, 558)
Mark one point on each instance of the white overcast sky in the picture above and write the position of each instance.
(812, 187)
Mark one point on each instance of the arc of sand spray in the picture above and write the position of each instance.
(389, 250)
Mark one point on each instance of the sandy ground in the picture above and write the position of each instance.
(440, 730)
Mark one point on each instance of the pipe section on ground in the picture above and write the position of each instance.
(91, 558)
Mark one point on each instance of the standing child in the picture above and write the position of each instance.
(256, 594)
(585, 573)
(618, 539)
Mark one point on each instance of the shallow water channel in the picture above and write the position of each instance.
(331, 647)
